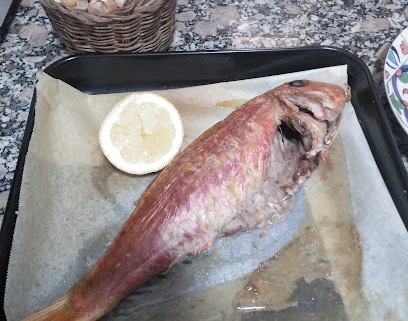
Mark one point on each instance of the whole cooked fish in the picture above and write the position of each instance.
(237, 175)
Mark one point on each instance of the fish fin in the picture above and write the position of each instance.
(60, 310)
(201, 248)
(174, 262)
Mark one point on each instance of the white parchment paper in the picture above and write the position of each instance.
(73, 201)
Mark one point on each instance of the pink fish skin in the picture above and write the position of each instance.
(237, 175)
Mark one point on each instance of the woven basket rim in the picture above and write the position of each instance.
(130, 8)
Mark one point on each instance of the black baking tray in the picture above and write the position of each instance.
(97, 74)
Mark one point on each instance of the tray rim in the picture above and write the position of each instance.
(10, 215)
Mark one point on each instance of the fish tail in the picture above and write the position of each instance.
(60, 310)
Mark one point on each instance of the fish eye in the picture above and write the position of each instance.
(298, 83)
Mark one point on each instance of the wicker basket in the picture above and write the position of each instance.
(141, 25)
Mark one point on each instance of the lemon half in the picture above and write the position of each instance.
(142, 133)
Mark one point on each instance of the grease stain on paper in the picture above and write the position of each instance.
(318, 274)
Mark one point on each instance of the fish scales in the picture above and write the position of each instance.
(237, 175)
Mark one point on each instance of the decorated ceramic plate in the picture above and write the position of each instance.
(396, 78)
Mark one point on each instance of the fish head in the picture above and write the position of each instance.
(314, 110)
(325, 101)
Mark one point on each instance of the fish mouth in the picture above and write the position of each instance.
(317, 105)
(323, 102)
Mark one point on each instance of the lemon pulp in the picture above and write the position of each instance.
(142, 133)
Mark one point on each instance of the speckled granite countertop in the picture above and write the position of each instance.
(365, 28)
